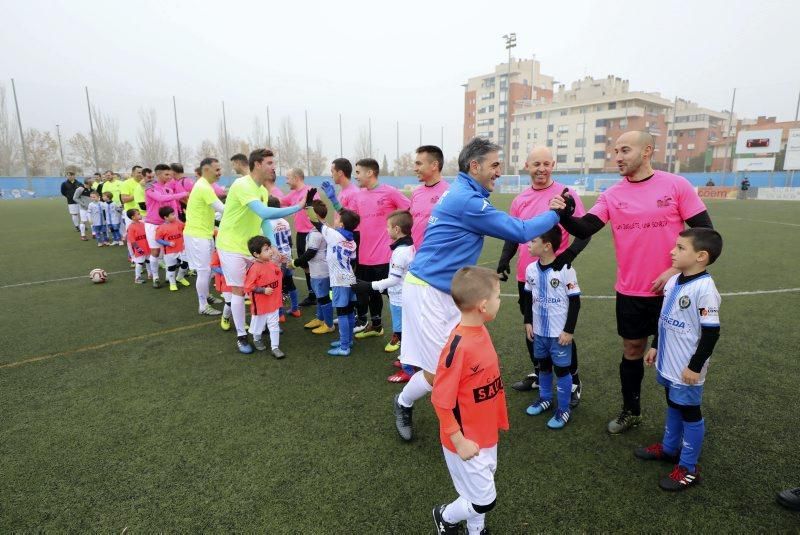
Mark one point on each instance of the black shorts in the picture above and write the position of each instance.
(372, 273)
(637, 317)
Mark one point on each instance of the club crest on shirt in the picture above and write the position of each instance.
(554, 283)
(434, 199)
(622, 205)
(570, 286)
(383, 200)
(664, 201)
(684, 302)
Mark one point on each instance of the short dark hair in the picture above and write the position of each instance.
(132, 212)
(476, 149)
(273, 202)
(349, 219)
(258, 156)
(97, 173)
(164, 211)
(403, 219)
(176, 167)
(207, 161)
(70, 173)
(320, 208)
(434, 152)
(553, 237)
(135, 167)
(370, 163)
(471, 285)
(343, 165)
(239, 157)
(257, 243)
(162, 167)
(705, 239)
(146, 170)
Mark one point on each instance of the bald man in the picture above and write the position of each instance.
(647, 209)
(531, 202)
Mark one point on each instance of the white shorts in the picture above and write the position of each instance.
(84, 214)
(197, 251)
(474, 479)
(150, 232)
(73, 209)
(234, 267)
(429, 316)
(170, 259)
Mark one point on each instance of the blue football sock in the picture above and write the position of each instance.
(546, 385)
(409, 369)
(293, 299)
(281, 311)
(326, 311)
(344, 329)
(351, 318)
(692, 443)
(564, 389)
(673, 431)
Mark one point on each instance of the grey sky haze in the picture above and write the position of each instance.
(388, 61)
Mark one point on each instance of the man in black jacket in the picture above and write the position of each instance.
(68, 188)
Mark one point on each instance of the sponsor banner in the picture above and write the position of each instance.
(779, 194)
(717, 192)
(755, 164)
(759, 142)
(792, 161)
(17, 194)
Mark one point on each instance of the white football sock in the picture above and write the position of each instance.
(238, 312)
(75, 220)
(154, 266)
(461, 509)
(139, 267)
(201, 286)
(273, 324)
(417, 387)
(82, 226)
(475, 524)
(226, 310)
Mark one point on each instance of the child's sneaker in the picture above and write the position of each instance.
(282, 318)
(156, 284)
(680, 479)
(173, 287)
(208, 310)
(538, 407)
(139, 280)
(84, 238)
(393, 345)
(369, 332)
(277, 353)
(99, 244)
(323, 329)
(225, 323)
(655, 452)
(442, 527)
(339, 352)
(313, 324)
(185, 282)
(559, 419)
(295, 313)
(626, 420)
(259, 344)
(399, 377)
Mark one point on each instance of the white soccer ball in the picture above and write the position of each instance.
(98, 275)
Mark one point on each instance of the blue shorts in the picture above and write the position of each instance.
(321, 287)
(343, 296)
(680, 393)
(546, 346)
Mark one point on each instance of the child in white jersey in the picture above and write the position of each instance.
(688, 330)
(97, 215)
(314, 260)
(113, 218)
(552, 301)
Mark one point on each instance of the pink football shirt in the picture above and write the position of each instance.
(531, 203)
(423, 199)
(373, 206)
(646, 218)
(157, 195)
(301, 221)
(347, 195)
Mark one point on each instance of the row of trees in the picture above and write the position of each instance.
(114, 153)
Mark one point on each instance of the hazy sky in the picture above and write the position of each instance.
(366, 60)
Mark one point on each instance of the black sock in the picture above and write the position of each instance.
(398, 335)
(376, 322)
(631, 373)
(573, 366)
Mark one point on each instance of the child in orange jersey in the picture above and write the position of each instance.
(263, 282)
(170, 235)
(137, 244)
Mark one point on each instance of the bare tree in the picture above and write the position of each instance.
(152, 147)
(316, 162)
(109, 147)
(363, 144)
(126, 156)
(451, 167)
(9, 142)
(385, 166)
(80, 153)
(42, 152)
(208, 149)
(404, 166)
(258, 136)
(287, 147)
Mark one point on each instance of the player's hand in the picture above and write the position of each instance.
(650, 356)
(563, 260)
(503, 269)
(172, 244)
(466, 448)
(268, 291)
(310, 197)
(361, 287)
(689, 377)
(557, 203)
(329, 190)
(661, 281)
(565, 339)
(529, 332)
(568, 207)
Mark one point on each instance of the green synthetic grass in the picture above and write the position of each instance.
(164, 427)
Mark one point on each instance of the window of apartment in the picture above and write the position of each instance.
(599, 107)
(482, 110)
(515, 132)
(538, 115)
(514, 159)
(599, 155)
(580, 142)
(561, 158)
(550, 128)
(563, 113)
(549, 142)
(563, 144)
(486, 122)
(487, 96)
(612, 105)
(484, 134)
(623, 123)
(599, 139)
(491, 108)
(601, 123)
(578, 159)
(692, 133)
(529, 135)
(563, 129)
(690, 146)
(680, 147)
(515, 145)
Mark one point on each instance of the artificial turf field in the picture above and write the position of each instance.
(121, 407)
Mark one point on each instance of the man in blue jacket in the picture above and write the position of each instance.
(453, 239)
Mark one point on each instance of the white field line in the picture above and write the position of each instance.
(763, 221)
(60, 280)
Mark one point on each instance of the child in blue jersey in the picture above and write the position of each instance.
(283, 243)
(551, 301)
(687, 332)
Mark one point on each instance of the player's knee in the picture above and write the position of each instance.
(691, 413)
(545, 365)
(561, 371)
(173, 267)
(633, 349)
(483, 509)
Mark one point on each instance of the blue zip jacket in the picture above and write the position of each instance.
(458, 223)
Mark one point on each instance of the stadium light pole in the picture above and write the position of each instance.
(308, 158)
(269, 131)
(19, 124)
(511, 42)
(397, 141)
(420, 135)
(91, 128)
(670, 140)
(60, 148)
(225, 132)
(177, 133)
(729, 152)
(369, 125)
(341, 150)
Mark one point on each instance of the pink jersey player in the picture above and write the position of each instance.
(157, 195)
(373, 205)
(301, 221)
(423, 199)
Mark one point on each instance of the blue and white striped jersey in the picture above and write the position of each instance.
(341, 250)
(283, 236)
(550, 291)
(687, 308)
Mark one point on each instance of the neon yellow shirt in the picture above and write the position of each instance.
(128, 188)
(199, 213)
(114, 188)
(138, 199)
(239, 223)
